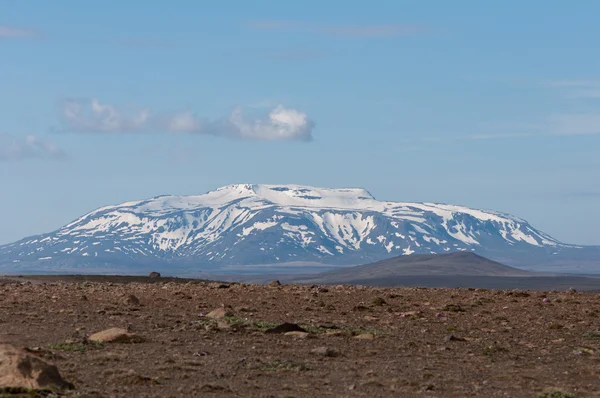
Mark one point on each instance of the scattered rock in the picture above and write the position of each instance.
(220, 313)
(453, 308)
(245, 309)
(132, 300)
(365, 336)
(154, 275)
(223, 325)
(133, 378)
(297, 334)
(378, 301)
(371, 384)
(325, 351)
(286, 327)
(454, 338)
(115, 335)
(410, 313)
(214, 388)
(21, 369)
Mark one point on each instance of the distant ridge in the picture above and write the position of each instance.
(451, 264)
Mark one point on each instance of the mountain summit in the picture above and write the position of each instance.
(249, 224)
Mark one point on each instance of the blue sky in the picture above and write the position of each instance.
(489, 105)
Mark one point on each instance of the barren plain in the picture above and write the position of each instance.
(346, 341)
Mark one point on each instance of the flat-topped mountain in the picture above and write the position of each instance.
(277, 224)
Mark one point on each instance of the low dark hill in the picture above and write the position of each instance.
(452, 264)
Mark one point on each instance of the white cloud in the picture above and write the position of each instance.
(13, 148)
(92, 116)
(9, 32)
(280, 123)
(185, 123)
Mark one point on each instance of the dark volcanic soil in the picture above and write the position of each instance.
(427, 342)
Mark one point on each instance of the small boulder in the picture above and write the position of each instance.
(220, 313)
(297, 335)
(455, 338)
(378, 301)
(154, 275)
(132, 300)
(115, 335)
(365, 336)
(325, 352)
(274, 283)
(223, 325)
(286, 327)
(22, 369)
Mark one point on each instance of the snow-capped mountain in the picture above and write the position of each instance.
(270, 224)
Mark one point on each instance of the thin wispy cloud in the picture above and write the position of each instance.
(559, 125)
(145, 43)
(578, 88)
(296, 55)
(575, 124)
(583, 195)
(574, 83)
(494, 136)
(14, 148)
(389, 30)
(278, 124)
(8, 32)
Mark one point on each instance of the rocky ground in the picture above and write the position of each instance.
(358, 341)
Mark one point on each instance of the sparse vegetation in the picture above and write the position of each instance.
(313, 329)
(552, 393)
(592, 335)
(76, 346)
(283, 365)
(453, 308)
(492, 349)
(263, 325)
(235, 320)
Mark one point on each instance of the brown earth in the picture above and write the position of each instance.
(414, 342)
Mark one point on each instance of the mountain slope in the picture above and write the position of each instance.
(267, 224)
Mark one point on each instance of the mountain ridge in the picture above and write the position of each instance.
(261, 224)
